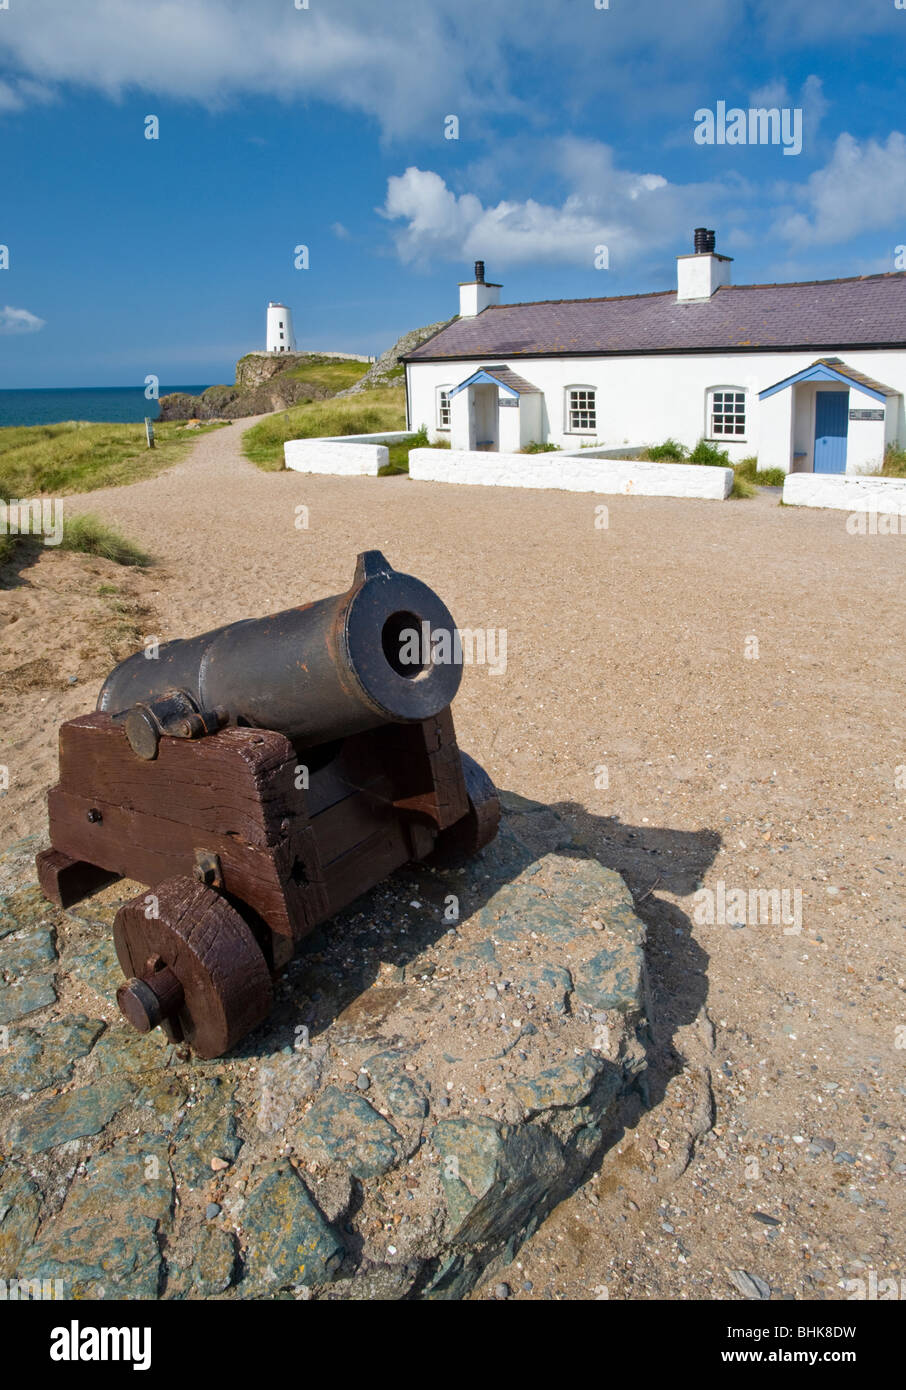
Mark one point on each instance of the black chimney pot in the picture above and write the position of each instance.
(704, 240)
(479, 272)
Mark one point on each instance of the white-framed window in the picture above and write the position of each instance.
(443, 407)
(727, 412)
(581, 410)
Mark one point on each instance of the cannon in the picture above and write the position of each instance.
(258, 779)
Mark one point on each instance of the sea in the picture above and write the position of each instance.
(113, 404)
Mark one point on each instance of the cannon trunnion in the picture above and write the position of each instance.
(258, 779)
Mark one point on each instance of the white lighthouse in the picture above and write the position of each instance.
(279, 328)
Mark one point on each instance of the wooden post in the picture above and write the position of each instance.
(149, 432)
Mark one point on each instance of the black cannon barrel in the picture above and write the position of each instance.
(315, 673)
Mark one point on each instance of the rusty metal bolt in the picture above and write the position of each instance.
(208, 869)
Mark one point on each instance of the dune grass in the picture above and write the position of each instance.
(78, 456)
(370, 412)
(92, 536)
(87, 534)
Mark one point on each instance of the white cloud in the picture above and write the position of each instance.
(340, 232)
(629, 213)
(862, 188)
(21, 92)
(831, 19)
(361, 55)
(407, 63)
(19, 321)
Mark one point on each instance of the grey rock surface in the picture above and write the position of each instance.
(423, 1094)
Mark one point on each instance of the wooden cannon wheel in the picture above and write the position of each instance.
(194, 968)
(478, 827)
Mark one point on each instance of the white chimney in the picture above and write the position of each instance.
(279, 328)
(699, 275)
(477, 295)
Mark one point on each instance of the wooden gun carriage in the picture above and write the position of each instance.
(259, 778)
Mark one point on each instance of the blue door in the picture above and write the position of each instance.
(831, 425)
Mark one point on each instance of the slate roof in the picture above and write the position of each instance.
(859, 378)
(862, 311)
(516, 383)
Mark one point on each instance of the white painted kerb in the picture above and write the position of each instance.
(569, 473)
(326, 456)
(360, 455)
(846, 492)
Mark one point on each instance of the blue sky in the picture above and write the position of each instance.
(326, 127)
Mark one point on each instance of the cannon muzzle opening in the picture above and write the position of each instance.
(386, 651)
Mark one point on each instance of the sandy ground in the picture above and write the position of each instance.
(710, 693)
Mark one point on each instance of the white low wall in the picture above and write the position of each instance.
(326, 456)
(571, 473)
(344, 454)
(846, 492)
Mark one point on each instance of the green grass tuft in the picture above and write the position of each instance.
(399, 453)
(668, 452)
(92, 536)
(894, 463)
(710, 455)
(87, 534)
(768, 477)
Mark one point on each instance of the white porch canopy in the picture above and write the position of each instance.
(827, 418)
(495, 409)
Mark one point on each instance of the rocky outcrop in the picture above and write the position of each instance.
(446, 1062)
(388, 370)
(234, 402)
(265, 381)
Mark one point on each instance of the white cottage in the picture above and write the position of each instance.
(810, 377)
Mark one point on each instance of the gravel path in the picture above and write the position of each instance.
(636, 701)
